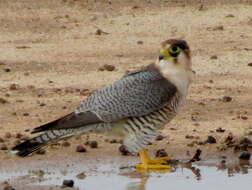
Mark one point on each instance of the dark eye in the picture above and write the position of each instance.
(174, 49)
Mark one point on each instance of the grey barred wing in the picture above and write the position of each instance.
(136, 94)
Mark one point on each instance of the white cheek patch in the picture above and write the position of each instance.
(177, 73)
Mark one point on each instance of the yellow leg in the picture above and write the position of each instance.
(148, 163)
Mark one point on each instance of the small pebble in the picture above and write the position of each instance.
(250, 64)
(3, 147)
(13, 87)
(7, 70)
(189, 136)
(159, 137)
(245, 155)
(139, 42)
(214, 57)
(26, 114)
(93, 144)
(8, 187)
(80, 148)
(161, 153)
(114, 141)
(211, 140)
(124, 151)
(220, 130)
(68, 183)
(230, 16)
(100, 32)
(81, 175)
(226, 99)
(42, 104)
(3, 101)
(107, 67)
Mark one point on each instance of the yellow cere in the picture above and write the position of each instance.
(165, 53)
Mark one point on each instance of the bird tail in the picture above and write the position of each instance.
(34, 144)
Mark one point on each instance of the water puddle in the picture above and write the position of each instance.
(110, 177)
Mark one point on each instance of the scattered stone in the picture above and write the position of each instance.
(65, 144)
(3, 147)
(190, 144)
(196, 156)
(220, 130)
(250, 64)
(229, 141)
(211, 140)
(221, 27)
(7, 186)
(81, 175)
(124, 151)
(214, 57)
(7, 135)
(161, 153)
(100, 32)
(230, 16)
(80, 148)
(139, 42)
(107, 67)
(14, 86)
(22, 47)
(243, 117)
(93, 144)
(3, 101)
(245, 155)
(7, 70)
(201, 103)
(159, 137)
(26, 114)
(41, 152)
(1, 140)
(226, 99)
(68, 183)
(42, 104)
(112, 141)
(189, 136)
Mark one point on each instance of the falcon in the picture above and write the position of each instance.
(133, 108)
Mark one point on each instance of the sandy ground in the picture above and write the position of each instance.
(50, 54)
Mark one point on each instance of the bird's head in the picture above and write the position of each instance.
(175, 54)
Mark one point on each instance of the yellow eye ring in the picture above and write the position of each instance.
(174, 50)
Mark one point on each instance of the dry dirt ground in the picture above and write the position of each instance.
(51, 53)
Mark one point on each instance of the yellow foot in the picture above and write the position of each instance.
(160, 160)
(147, 163)
(142, 166)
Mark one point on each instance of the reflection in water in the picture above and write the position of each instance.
(241, 168)
(138, 185)
(185, 176)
